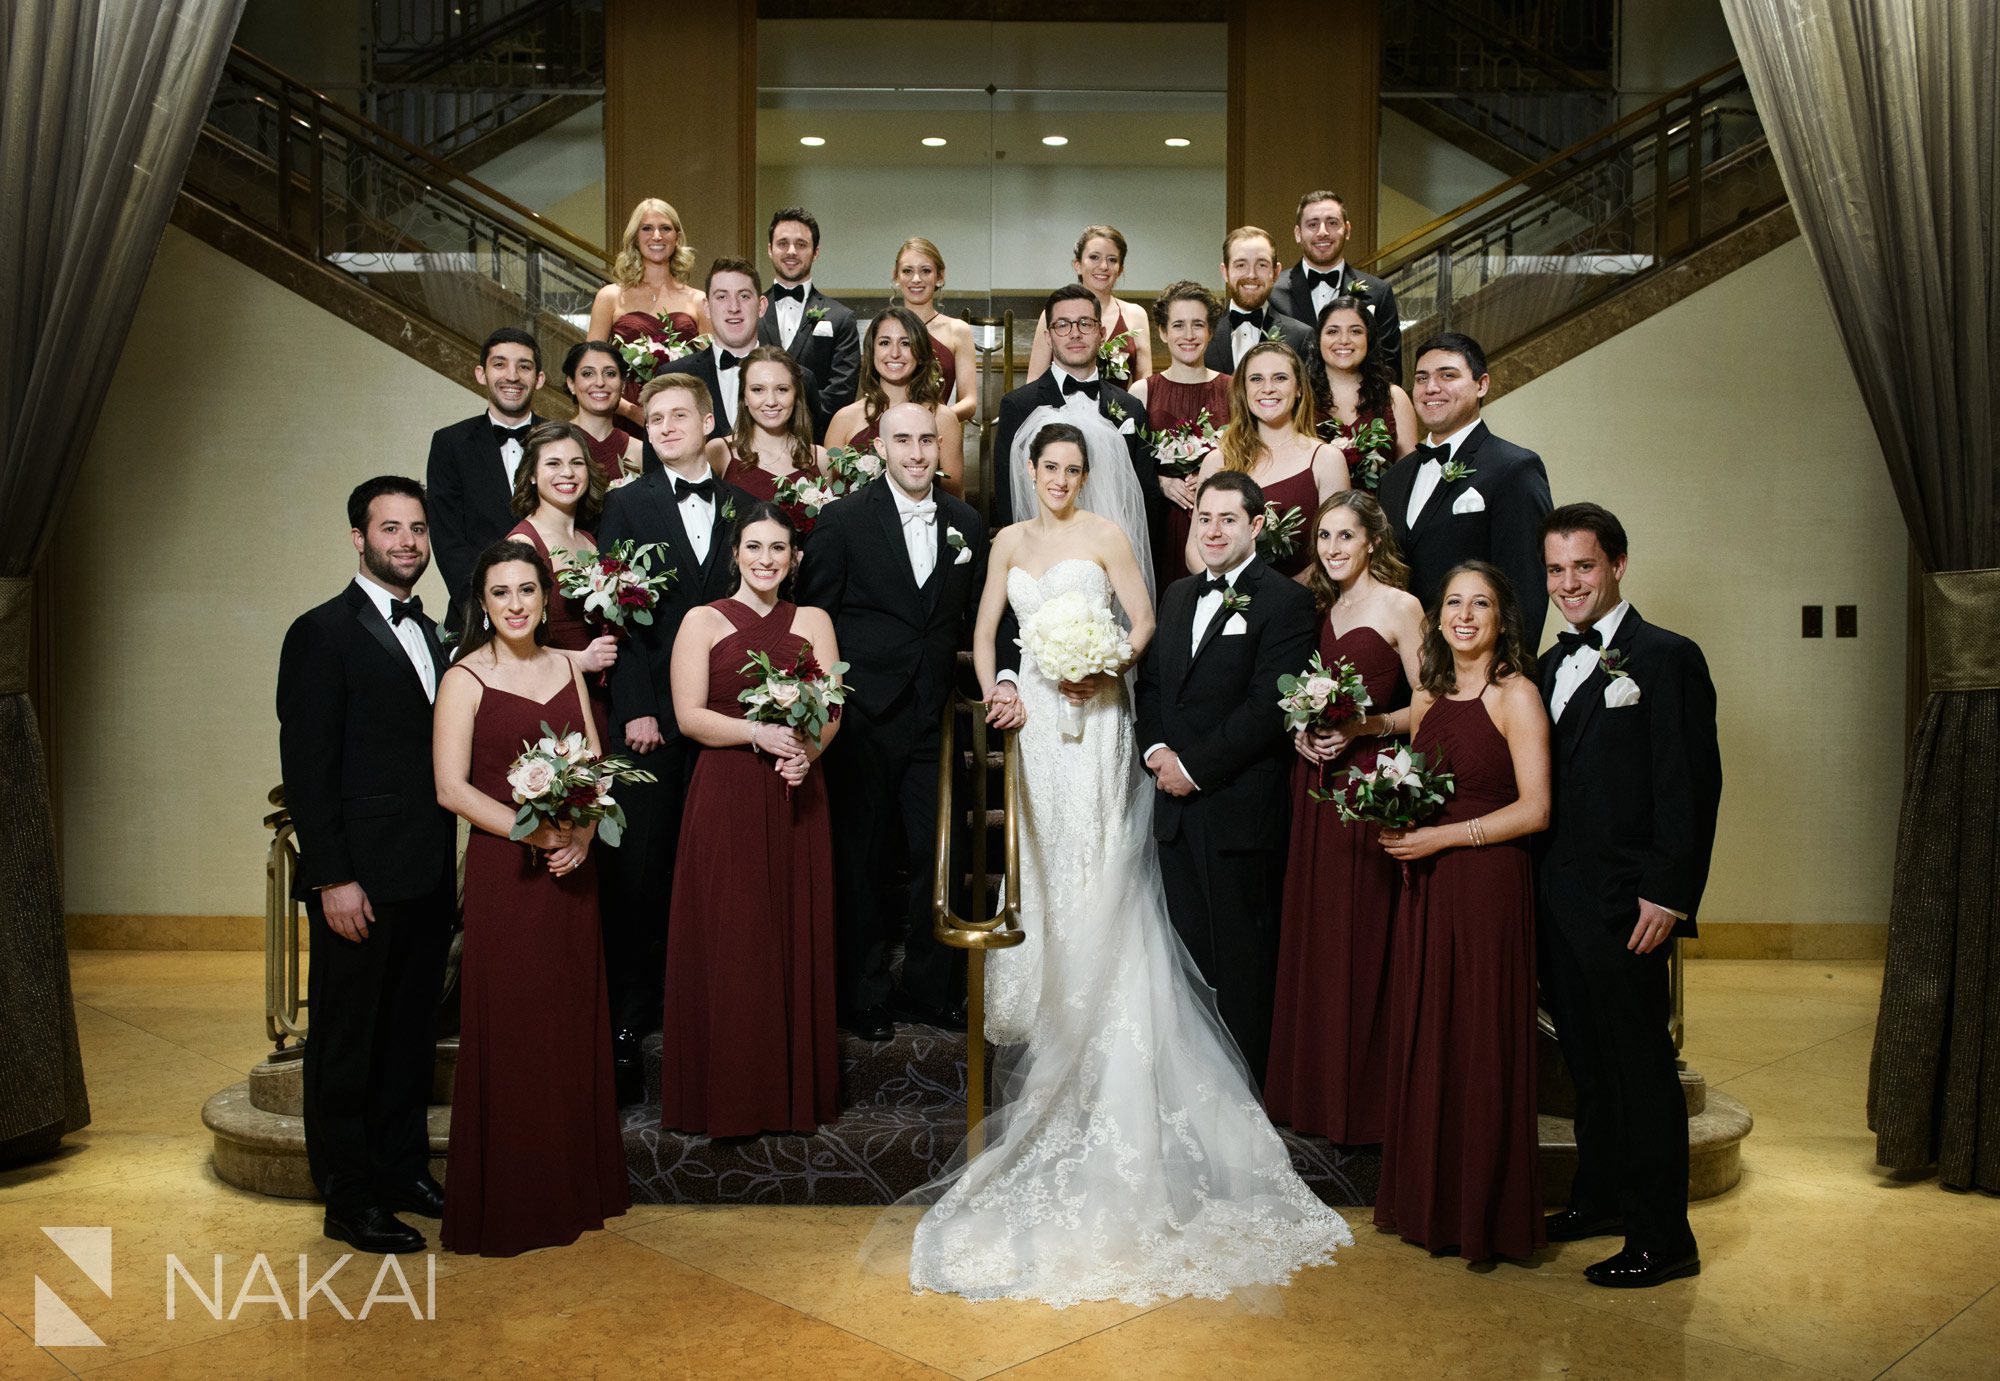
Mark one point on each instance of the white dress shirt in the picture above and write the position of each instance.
(789, 312)
(1078, 400)
(1205, 610)
(729, 382)
(1575, 669)
(1243, 338)
(919, 519)
(697, 516)
(511, 450)
(410, 633)
(1431, 473)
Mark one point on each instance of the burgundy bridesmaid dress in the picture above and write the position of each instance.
(569, 628)
(1357, 472)
(749, 1043)
(753, 479)
(648, 326)
(947, 369)
(1169, 404)
(608, 455)
(1298, 491)
(536, 1159)
(1460, 1146)
(1329, 1053)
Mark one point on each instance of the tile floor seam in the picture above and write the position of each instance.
(1145, 1313)
(1934, 1332)
(16, 1325)
(124, 1021)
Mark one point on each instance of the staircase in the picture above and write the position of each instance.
(378, 231)
(466, 81)
(1640, 212)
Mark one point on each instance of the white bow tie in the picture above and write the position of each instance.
(925, 513)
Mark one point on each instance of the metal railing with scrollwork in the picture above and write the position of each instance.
(352, 196)
(284, 1002)
(1616, 208)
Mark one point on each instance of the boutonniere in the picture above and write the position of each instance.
(1455, 471)
(1113, 411)
(1354, 287)
(729, 510)
(1272, 332)
(815, 314)
(955, 539)
(1235, 601)
(1612, 661)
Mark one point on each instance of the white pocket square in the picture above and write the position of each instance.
(964, 555)
(1468, 502)
(822, 327)
(1235, 625)
(1622, 691)
(1127, 427)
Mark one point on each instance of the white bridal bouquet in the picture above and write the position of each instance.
(1070, 637)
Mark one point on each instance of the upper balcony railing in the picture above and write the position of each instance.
(350, 195)
(1619, 206)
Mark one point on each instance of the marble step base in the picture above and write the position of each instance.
(1715, 1146)
(278, 1084)
(265, 1152)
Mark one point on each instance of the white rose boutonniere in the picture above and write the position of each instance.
(955, 539)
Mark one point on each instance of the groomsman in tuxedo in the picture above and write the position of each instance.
(470, 476)
(1465, 494)
(1323, 273)
(1072, 381)
(736, 308)
(1250, 271)
(376, 871)
(805, 323)
(690, 513)
(899, 568)
(1638, 777)
(1216, 746)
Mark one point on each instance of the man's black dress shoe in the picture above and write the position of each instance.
(628, 1074)
(870, 1023)
(373, 1229)
(1636, 1270)
(424, 1197)
(904, 1007)
(1571, 1226)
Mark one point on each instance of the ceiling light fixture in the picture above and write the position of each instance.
(811, 141)
(933, 142)
(1177, 143)
(1055, 141)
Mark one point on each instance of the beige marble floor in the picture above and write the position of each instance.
(1816, 1264)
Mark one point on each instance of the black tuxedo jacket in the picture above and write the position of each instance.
(1635, 788)
(1514, 488)
(1292, 297)
(644, 511)
(900, 641)
(1046, 391)
(701, 365)
(1221, 356)
(832, 356)
(1217, 706)
(354, 748)
(468, 498)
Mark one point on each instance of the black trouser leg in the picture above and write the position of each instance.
(864, 772)
(405, 1046)
(1225, 905)
(1595, 1189)
(636, 885)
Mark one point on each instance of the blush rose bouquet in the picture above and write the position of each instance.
(557, 780)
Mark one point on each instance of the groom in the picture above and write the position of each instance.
(1208, 713)
(899, 568)
(1638, 777)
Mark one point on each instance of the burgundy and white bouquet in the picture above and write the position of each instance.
(1114, 358)
(1280, 537)
(804, 696)
(803, 496)
(1399, 791)
(557, 780)
(645, 356)
(848, 469)
(1180, 449)
(1321, 697)
(1368, 449)
(618, 586)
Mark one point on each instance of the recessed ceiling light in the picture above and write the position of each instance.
(933, 142)
(1177, 143)
(1055, 141)
(811, 141)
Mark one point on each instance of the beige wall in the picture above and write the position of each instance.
(1728, 435)
(210, 511)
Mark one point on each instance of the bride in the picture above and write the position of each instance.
(1127, 1154)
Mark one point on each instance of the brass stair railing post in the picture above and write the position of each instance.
(282, 1000)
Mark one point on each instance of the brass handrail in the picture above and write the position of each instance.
(977, 933)
(282, 999)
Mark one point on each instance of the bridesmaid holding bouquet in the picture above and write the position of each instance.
(773, 441)
(749, 1044)
(1176, 400)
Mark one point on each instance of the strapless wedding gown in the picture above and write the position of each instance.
(1128, 1156)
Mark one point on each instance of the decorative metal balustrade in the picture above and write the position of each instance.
(1625, 204)
(352, 196)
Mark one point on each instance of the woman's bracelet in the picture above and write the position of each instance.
(1476, 832)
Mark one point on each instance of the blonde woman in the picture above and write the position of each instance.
(1126, 356)
(649, 297)
(919, 278)
(1271, 438)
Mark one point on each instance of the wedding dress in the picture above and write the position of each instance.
(1127, 1156)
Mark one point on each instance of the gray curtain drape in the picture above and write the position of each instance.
(101, 103)
(1884, 116)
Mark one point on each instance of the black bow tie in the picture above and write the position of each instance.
(1440, 454)
(779, 292)
(503, 435)
(701, 489)
(1314, 278)
(1570, 641)
(1214, 583)
(725, 360)
(1072, 384)
(1239, 317)
(400, 609)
